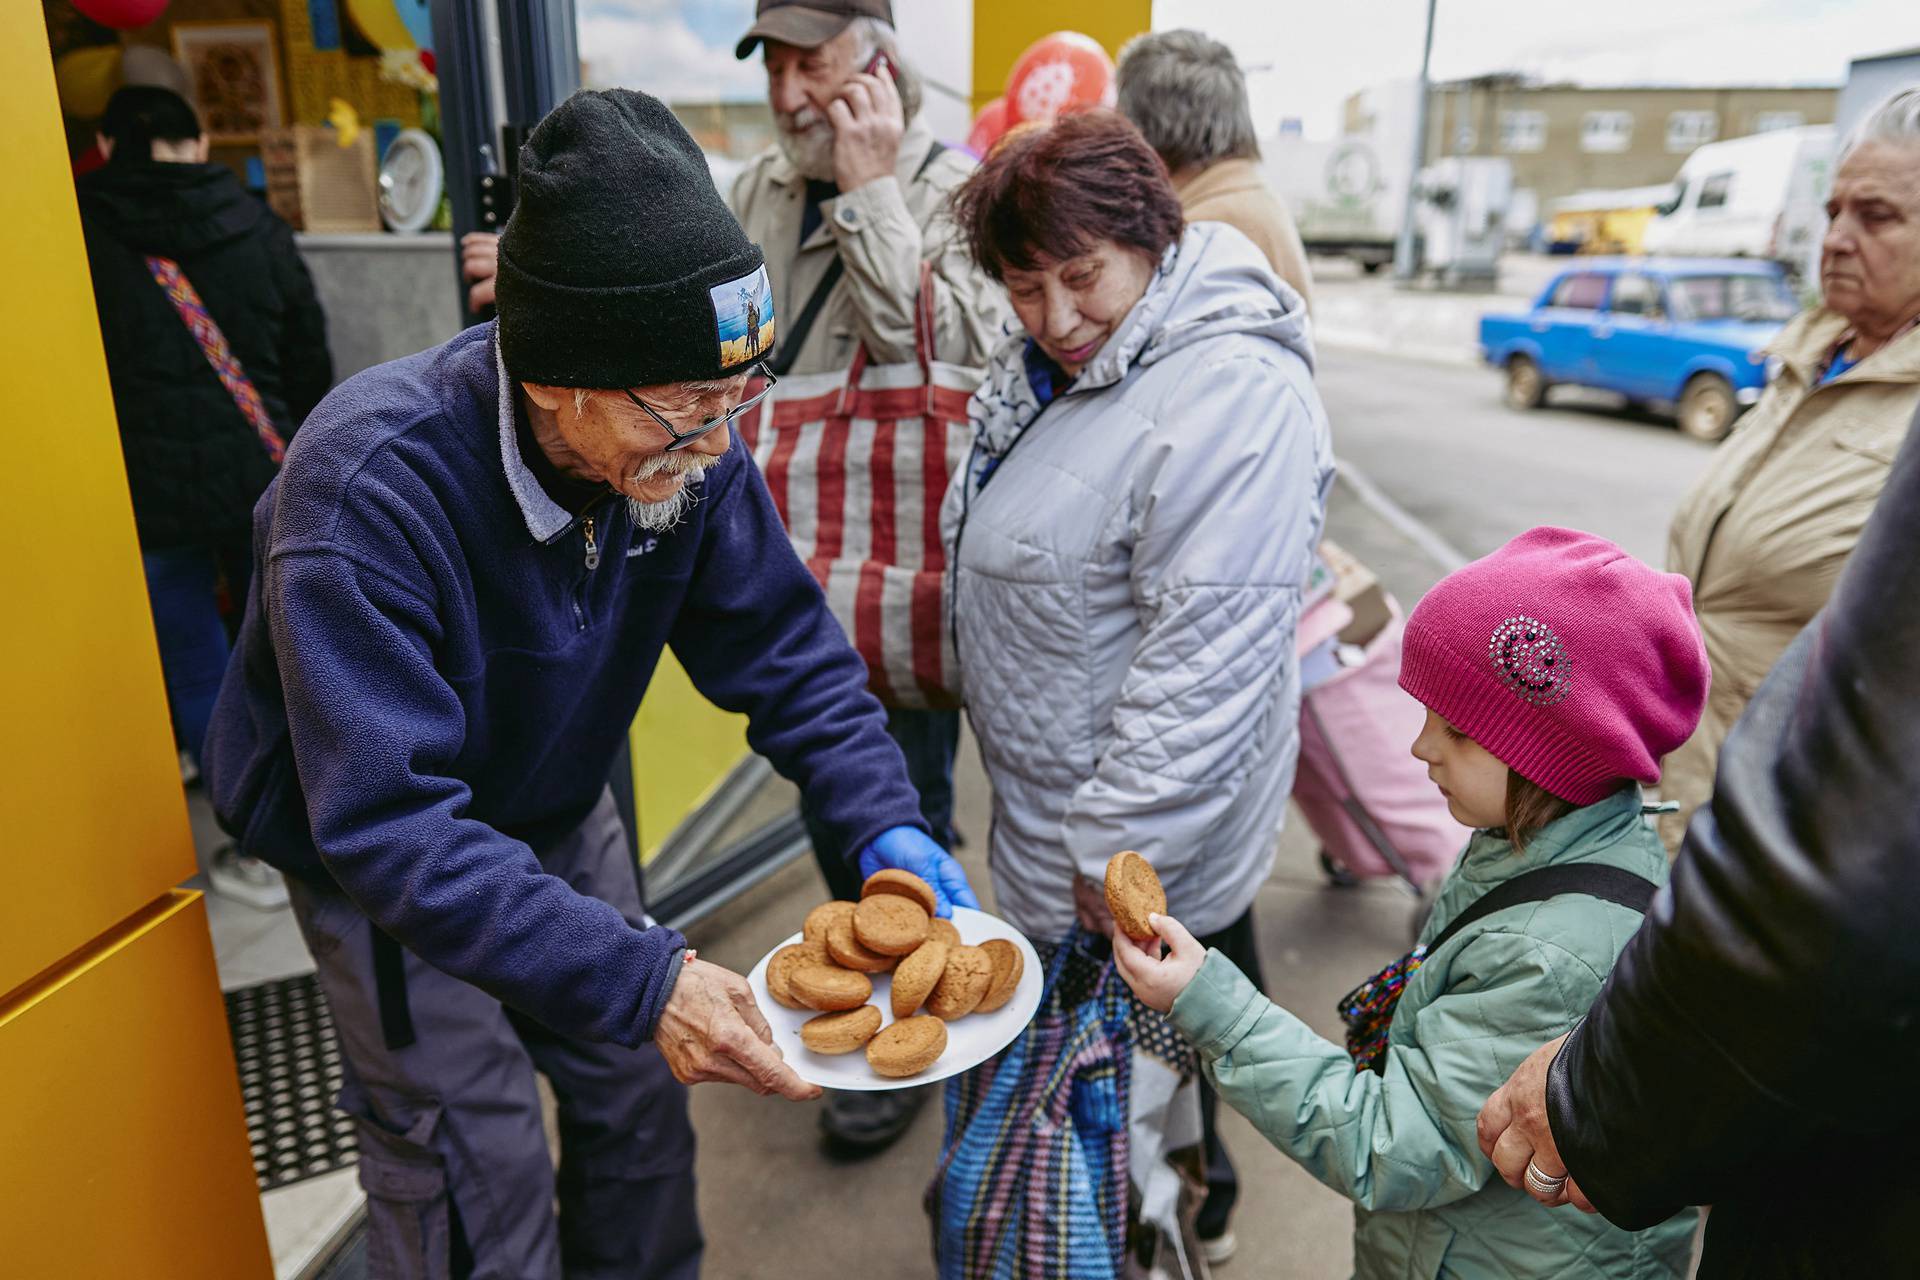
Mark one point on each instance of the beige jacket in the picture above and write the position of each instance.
(882, 231)
(1233, 192)
(1763, 534)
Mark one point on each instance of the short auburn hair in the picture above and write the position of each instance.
(1055, 191)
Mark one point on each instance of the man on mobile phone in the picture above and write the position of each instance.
(848, 204)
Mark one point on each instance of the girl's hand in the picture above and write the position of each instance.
(1158, 980)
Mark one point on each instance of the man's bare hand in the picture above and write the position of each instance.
(1513, 1130)
(479, 264)
(1090, 907)
(711, 1030)
(868, 123)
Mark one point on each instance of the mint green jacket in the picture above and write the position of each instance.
(1401, 1146)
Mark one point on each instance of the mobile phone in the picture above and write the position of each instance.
(877, 61)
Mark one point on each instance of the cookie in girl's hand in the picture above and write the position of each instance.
(1134, 894)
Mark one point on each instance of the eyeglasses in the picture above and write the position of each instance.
(681, 439)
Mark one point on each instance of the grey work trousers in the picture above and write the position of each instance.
(453, 1151)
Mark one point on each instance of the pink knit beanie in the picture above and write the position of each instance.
(1570, 661)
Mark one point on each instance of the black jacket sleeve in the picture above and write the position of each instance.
(1772, 999)
(306, 366)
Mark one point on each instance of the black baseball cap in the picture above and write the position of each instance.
(809, 25)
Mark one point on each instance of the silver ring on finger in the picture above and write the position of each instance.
(1543, 1185)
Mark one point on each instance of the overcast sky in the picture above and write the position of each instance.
(1317, 53)
(1309, 55)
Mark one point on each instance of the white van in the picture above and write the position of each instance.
(1752, 197)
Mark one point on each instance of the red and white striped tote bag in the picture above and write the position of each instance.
(858, 464)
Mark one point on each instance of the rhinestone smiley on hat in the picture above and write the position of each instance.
(1531, 661)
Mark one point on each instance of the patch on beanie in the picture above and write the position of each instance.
(743, 317)
(1531, 661)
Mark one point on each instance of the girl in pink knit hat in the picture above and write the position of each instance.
(1556, 673)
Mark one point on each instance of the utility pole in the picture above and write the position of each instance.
(1403, 250)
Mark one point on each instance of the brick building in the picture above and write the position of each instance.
(1565, 138)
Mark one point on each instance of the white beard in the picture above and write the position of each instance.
(658, 517)
(806, 139)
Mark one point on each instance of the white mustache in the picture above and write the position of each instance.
(805, 120)
(673, 464)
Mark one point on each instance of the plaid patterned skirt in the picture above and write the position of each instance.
(1033, 1172)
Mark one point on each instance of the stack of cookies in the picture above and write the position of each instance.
(892, 929)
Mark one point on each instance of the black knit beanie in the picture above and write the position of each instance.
(620, 266)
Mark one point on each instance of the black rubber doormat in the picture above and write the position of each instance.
(289, 1077)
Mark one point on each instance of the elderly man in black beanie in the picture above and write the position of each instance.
(468, 569)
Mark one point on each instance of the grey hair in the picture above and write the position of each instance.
(1895, 120)
(871, 36)
(1188, 98)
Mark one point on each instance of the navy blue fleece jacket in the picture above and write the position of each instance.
(434, 674)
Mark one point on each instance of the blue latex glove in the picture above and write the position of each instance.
(911, 849)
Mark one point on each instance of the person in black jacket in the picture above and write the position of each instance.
(196, 460)
(1755, 1046)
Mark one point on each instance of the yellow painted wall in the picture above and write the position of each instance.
(118, 1154)
(683, 746)
(1002, 29)
(123, 1147)
(94, 822)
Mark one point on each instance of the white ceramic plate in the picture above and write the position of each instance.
(970, 1040)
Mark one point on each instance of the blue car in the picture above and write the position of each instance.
(1679, 331)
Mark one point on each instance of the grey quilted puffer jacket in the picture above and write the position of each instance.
(1126, 583)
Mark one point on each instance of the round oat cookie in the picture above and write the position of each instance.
(905, 884)
(841, 1032)
(780, 970)
(914, 977)
(1008, 965)
(829, 988)
(943, 931)
(821, 919)
(889, 924)
(908, 1047)
(1134, 893)
(963, 984)
(846, 949)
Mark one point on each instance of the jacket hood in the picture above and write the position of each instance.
(169, 209)
(1211, 282)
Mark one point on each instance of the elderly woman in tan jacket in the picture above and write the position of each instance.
(1764, 533)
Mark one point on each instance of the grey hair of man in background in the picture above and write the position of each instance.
(1187, 96)
(871, 36)
(1897, 120)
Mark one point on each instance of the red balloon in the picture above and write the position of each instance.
(987, 128)
(1063, 72)
(122, 14)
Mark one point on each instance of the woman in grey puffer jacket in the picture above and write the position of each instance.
(1130, 540)
(1129, 543)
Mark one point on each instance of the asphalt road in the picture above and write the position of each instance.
(1438, 440)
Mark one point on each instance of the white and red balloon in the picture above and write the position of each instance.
(1063, 72)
